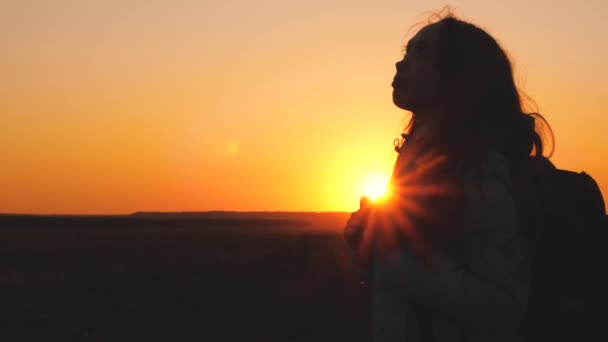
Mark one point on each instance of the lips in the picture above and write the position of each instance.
(398, 82)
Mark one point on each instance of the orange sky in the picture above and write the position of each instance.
(122, 106)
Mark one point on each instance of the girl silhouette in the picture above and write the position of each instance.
(446, 251)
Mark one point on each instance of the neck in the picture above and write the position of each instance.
(429, 113)
(426, 123)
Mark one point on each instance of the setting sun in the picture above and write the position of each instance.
(376, 187)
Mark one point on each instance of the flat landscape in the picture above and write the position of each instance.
(179, 277)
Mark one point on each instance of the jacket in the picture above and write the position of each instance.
(481, 297)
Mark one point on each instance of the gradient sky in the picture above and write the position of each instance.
(122, 106)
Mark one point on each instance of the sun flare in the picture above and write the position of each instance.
(376, 188)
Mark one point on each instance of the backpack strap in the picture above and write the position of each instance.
(596, 199)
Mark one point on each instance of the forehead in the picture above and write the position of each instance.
(426, 35)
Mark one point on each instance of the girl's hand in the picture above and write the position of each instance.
(356, 222)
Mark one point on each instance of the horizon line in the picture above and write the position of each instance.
(176, 212)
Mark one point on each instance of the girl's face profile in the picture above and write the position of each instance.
(416, 82)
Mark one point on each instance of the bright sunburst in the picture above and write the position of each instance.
(376, 187)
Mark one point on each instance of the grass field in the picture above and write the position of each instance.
(177, 280)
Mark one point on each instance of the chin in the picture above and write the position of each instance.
(401, 102)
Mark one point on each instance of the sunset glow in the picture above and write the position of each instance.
(376, 188)
(113, 107)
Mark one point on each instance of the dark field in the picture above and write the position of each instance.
(178, 279)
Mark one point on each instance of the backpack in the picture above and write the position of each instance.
(565, 218)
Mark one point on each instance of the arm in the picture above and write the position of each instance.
(490, 293)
